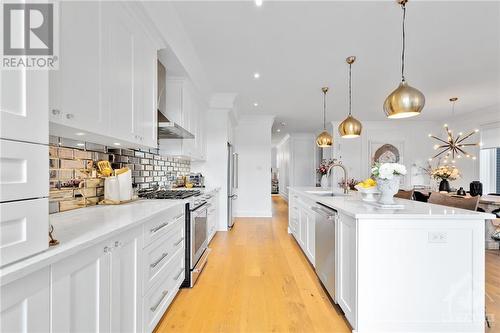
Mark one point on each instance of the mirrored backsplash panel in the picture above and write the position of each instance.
(71, 161)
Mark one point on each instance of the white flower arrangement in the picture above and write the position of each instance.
(445, 172)
(388, 170)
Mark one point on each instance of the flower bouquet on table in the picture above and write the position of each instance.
(388, 177)
(444, 173)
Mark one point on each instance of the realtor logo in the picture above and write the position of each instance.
(28, 36)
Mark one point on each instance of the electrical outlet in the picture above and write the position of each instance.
(438, 237)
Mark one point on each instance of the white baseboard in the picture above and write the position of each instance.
(253, 214)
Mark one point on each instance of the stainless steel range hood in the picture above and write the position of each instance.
(170, 130)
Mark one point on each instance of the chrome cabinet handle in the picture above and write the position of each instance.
(158, 227)
(118, 244)
(163, 294)
(179, 241)
(70, 116)
(56, 112)
(179, 274)
(107, 249)
(153, 265)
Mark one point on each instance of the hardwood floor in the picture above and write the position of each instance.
(256, 280)
(493, 290)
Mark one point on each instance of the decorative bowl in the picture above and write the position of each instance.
(367, 194)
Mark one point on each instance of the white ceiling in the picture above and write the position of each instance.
(453, 49)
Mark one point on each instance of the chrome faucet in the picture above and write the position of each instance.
(346, 184)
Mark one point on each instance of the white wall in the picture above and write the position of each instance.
(253, 145)
(296, 160)
(411, 135)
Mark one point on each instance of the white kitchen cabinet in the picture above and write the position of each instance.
(184, 107)
(24, 170)
(301, 224)
(346, 263)
(26, 303)
(76, 88)
(213, 215)
(23, 105)
(126, 277)
(81, 291)
(106, 84)
(24, 228)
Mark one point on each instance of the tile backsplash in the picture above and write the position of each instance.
(69, 161)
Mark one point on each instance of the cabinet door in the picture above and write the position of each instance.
(310, 240)
(126, 283)
(119, 75)
(303, 228)
(76, 88)
(25, 304)
(81, 292)
(346, 267)
(23, 105)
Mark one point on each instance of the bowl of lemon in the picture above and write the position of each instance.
(368, 189)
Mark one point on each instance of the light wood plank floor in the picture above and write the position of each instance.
(256, 280)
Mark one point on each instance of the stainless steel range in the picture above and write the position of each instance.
(196, 228)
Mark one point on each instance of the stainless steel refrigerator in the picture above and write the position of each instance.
(232, 182)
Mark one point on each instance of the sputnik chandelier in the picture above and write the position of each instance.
(453, 147)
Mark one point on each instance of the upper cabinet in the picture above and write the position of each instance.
(106, 82)
(184, 107)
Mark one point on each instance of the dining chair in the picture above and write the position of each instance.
(402, 194)
(469, 203)
(419, 196)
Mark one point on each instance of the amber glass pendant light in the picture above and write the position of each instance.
(350, 127)
(405, 101)
(324, 139)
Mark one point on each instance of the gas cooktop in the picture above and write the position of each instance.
(167, 194)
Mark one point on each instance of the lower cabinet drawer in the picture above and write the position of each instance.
(163, 223)
(158, 255)
(24, 227)
(157, 300)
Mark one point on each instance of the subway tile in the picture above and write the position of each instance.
(66, 153)
(139, 154)
(95, 147)
(82, 155)
(72, 164)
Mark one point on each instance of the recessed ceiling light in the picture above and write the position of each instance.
(278, 130)
(117, 144)
(80, 144)
(258, 3)
(79, 133)
(255, 104)
(256, 75)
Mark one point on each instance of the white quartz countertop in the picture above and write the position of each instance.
(353, 205)
(80, 228)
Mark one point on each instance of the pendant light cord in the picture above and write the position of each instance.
(403, 6)
(350, 107)
(324, 110)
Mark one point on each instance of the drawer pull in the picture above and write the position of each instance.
(159, 227)
(153, 265)
(179, 274)
(163, 294)
(179, 241)
(178, 216)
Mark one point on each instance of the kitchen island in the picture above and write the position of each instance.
(417, 269)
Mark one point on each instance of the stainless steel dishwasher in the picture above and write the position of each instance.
(325, 220)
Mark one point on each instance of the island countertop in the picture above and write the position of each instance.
(354, 206)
